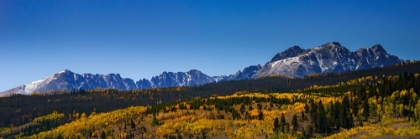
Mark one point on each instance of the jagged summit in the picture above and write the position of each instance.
(330, 46)
(294, 48)
(290, 52)
(336, 43)
(378, 48)
(65, 71)
(329, 57)
(194, 71)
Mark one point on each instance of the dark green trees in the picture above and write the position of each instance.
(282, 123)
(276, 124)
(295, 122)
(260, 115)
(365, 112)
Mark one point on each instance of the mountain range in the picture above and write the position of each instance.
(330, 57)
(293, 62)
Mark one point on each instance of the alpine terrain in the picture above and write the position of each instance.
(330, 57)
(293, 62)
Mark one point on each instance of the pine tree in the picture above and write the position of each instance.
(242, 109)
(154, 121)
(276, 125)
(365, 109)
(355, 107)
(345, 116)
(336, 117)
(103, 135)
(282, 122)
(133, 125)
(295, 122)
(322, 118)
(261, 115)
(302, 115)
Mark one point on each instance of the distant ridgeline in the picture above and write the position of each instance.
(293, 62)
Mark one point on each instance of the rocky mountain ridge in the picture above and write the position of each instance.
(293, 62)
(330, 57)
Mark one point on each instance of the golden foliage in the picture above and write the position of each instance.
(53, 116)
(97, 121)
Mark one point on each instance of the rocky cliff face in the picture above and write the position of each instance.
(291, 52)
(330, 57)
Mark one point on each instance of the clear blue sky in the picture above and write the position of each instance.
(141, 39)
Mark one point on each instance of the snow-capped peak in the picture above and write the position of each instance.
(329, 57)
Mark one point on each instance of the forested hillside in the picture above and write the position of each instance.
(382, 101)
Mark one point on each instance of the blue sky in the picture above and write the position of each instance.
(141, 39)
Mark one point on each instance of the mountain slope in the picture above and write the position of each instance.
(246, 73)
(67, 80)
(290, 52)
(330, 57)
(171, 79)
(374, 56)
